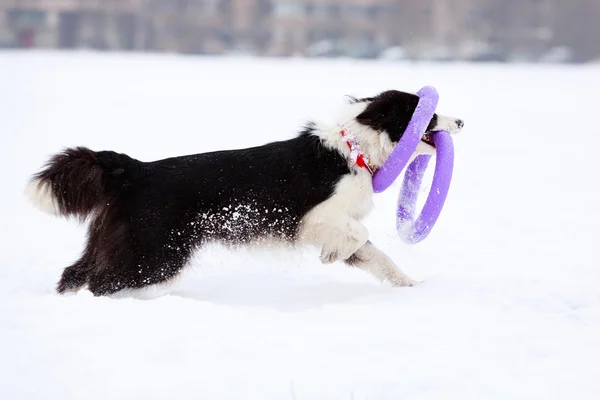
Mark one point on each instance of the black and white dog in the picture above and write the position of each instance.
(147, 218)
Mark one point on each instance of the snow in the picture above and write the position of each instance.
(509, 306)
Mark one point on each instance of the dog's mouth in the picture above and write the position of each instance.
(428, 139)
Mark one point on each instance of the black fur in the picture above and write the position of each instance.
(390, 111)
(148, 217)
(96, 176)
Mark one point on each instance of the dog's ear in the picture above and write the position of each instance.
(372, 118)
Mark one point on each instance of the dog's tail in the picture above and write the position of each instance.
(78, 181)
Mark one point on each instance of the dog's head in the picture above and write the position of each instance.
(390, 112)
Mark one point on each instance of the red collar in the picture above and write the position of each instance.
(356, 155)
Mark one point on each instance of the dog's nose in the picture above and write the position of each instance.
(460, 123)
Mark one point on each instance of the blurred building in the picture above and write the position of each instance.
(186, 26)
(357, 28)
(103, 24)
(485, 30)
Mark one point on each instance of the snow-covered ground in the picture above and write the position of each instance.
(509, 307)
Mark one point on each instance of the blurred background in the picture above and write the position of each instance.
(541, 31)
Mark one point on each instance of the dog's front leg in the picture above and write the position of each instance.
(336, 234)
(344, 238)
(373, 260)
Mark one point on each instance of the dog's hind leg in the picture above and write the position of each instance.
(373, 260)
(131, 270)
(75, 276)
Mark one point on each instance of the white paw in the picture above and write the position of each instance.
(404, 282)
(329, 256)
(342, 247)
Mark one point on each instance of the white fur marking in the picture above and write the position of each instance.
(448, 124)
(40, 194)
(375, 146)
(334, 224)
(373, 260)
(444, 123)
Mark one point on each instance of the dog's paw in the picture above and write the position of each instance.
(329, 256)
(404, 282)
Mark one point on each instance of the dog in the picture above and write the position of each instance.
(147, 218)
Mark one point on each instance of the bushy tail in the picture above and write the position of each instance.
(78, 181)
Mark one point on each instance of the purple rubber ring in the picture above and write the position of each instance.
(410, 229)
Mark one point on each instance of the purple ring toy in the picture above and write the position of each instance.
(409, 229)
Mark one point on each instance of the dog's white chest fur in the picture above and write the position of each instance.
(352, 198)
(334, 224)
(354, 195)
